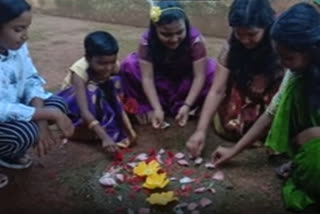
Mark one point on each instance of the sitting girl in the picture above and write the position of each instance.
(92, 94)
(171, 73)
(295, 111)
(248, 75)
(26, 108)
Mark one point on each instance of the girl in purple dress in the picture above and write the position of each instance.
(171, 73)
(92, 94)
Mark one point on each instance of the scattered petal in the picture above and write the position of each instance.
(144, 211)
(219, 176)
(183, 162)
(186, 180)
(165, 125)
(119, 198)
(173, 179)
(158, 158)
(120, 177)
(213, 190)
(192, 206)
(198, 161)
(132, 165)
(161, 152)
(142, 157)
(107, 181)
(209, 165)
(64, 141)
(205, 202)
(200, 190)
(118, 156)
(179, 155)
(162, 198)
(181, 205)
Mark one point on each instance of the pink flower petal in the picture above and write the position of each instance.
(120, 177)
(132, 165)
(183, 162)
(205, 202)
(144, 211)
(179, 155)
(198, 161)
(192, 206)
(159, 159)
(200, 190)
(213, 191)
(219, 176)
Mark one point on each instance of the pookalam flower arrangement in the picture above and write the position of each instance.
(161, 178)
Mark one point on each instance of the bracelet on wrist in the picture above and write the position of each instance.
(93, 124)
(187, 104)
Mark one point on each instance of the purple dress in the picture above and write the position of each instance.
(103, 103)
(173, 77)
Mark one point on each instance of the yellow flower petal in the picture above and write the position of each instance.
(162, 198)
(155, 13)
(144, 169)
(156, 181)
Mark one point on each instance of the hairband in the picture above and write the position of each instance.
(155, 12)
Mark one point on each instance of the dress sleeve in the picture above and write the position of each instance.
(15, 111)
(143, 50)
(272, 108)
(34, 83)
(198, 48)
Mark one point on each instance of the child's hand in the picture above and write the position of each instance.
(196, 143)
(65, 124)
(133, 136)
(109, 147)
(183, 115)
(157, 119)
(45, 140)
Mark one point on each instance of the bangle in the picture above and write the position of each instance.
(187, 104)
(93, 124)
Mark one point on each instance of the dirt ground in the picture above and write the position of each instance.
(66, 180)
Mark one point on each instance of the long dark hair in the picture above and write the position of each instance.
(298, 30)
(157, 50)
(11, 9)
(245, 63)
